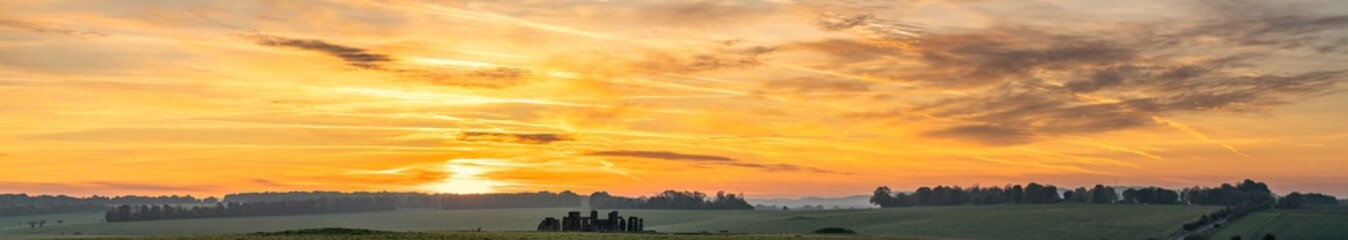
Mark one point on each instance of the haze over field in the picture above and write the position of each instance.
(771, 98)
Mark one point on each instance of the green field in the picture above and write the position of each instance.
(343, 234)
(1063, 221)
(1314, 222)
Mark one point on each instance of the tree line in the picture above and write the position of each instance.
(319, 202)
(427, 200)
(1247, 192)
(24, 204)
(671, 199)
(1239, 199)
(126, 213)
(1032, 193)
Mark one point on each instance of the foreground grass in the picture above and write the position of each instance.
(1315, 222)
(1057, 221)
(344, 234)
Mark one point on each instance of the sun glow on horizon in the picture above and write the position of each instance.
(466, 176)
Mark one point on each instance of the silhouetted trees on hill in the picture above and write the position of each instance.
(1244, 193)
(1032, 193)
(24, 204)
(1297, 200)
(127, 213)
(20, 210)
(1151, 195)
(1320, 199)
(1240, 199)
(318, 202)
(671, 199)
(427, 200)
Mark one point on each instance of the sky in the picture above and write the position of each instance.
(770, 98)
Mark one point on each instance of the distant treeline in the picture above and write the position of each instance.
(427, 200)
(126, 213)
(318, 202)
(1239, 199)
(1247, 192)
(24, 204)
(20, 210)
(671, 199)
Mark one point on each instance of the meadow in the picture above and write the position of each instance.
(1311, 222)
(345, 234)
(974, 222)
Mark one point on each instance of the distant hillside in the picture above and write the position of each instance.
(858, 201)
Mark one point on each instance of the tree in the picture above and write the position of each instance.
(1081, 194)
(1269, 236)
(1102, 194)
(883, 197)
(1130, 195)
(1291, 201)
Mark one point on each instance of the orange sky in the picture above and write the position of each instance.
(769, 98)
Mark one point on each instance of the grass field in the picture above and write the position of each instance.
(976, 222)
(1315, 222)
(343, 234)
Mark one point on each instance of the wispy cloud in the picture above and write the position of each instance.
(103, 188)
(664, 155)
(473, 77)
(525, 138)
(1195, 133)
(706, 159)
(49, 28)
(1024, 82)
(353, 56)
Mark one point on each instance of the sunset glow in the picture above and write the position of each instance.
(768, 98)
(466, 176)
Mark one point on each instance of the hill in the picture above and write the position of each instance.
(859, 201)
(1311, 222)
(1080, 221)
(344, 234)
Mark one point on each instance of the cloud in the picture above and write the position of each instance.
(701, 13)
(706, 159)
(523, 138)
(987, 134)
(807, 85)
(102, 187)
(265, 182)
(868, 25)
(722, 55)
(47, 28)
(353, 56)
(1020, 82)
(1195, 133)
(493, 77)
(496, 77)
(1262, 23)
(664, 155)
(834, 22)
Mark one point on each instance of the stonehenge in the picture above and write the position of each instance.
(574, 222)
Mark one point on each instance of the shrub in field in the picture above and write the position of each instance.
(834, 230)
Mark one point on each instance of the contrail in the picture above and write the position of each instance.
(1199, 135)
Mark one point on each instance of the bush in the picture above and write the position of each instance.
(834, 230)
